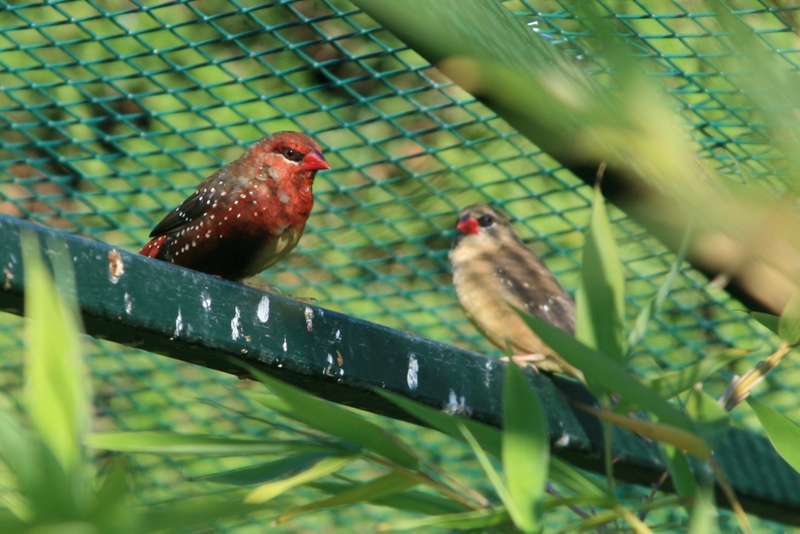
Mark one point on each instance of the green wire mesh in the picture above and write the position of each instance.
(111, 113)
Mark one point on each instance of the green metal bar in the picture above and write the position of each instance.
(161, 308)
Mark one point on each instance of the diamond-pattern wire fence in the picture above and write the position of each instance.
(111, 113)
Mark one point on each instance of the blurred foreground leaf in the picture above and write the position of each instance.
(781, 431)
(600, 300)
(526, 450)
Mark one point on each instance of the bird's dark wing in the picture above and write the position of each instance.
(535, 289)
(190, 209)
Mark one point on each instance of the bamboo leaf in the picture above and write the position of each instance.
(600, 300)
(703, 515)
(767, 320)
(680, 438)
(604, 374)
(259, 474)
(379, 488)
(473, 520)
(158, 442)
(525, 449)
(193, 514)
(573, 479)
(488, 437)
(494, 477)
(789, 323)
(410, 501)
(711, 420)
(639, 330)
(323, 468)
(783, 433)
(679, 469)
(338, 421)
(672, 383)
(56, 390)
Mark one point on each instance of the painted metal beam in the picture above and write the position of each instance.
(196, 318)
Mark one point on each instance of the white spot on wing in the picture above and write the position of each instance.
(263, 309)
(236, 324)
(285, 346)
(413, 369)
(206, 302)
(128, 304)
(563, 441)
(309, 313)
(338, 336)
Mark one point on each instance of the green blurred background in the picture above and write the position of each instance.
(111, 113)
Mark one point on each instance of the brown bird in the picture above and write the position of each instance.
(246, 216)
(493, 273)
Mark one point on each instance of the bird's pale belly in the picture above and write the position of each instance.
(499, 322)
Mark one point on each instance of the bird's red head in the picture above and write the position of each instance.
(468, 224)
(286, 153)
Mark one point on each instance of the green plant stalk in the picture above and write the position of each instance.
(478, 501)
(736, 506)
(616, 512)
(608, 444)
(740, 388)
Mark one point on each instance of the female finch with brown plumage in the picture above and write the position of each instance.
(246, 216)
(493, 273)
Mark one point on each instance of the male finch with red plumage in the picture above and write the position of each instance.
(246, 216)
(494, 275)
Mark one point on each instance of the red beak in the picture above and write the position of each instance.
(468, 225)
(314, 162)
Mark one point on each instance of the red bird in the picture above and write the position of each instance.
(246, 216)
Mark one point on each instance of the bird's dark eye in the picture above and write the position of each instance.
(291, 154)
(485, 220)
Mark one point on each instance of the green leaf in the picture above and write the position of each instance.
(771, 322)
(323, 468)
(338, 421)
(639, 330)
(474, 520)
(272, 402)
(517, 515)
(157, 442)
(56, 391)
(490, 440)
(488, 437)
(604, 374)
(789, 323)
(662, 432)
(711, 420)
(672, 383)
(573, 479)
(679, 470)
(379, 488)
(198, 512)
(783, 433)
(703, 515)
(410, 501)
(259, 474)
(17, 448)
(112, 509)
(526, 449)
(600, 300)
